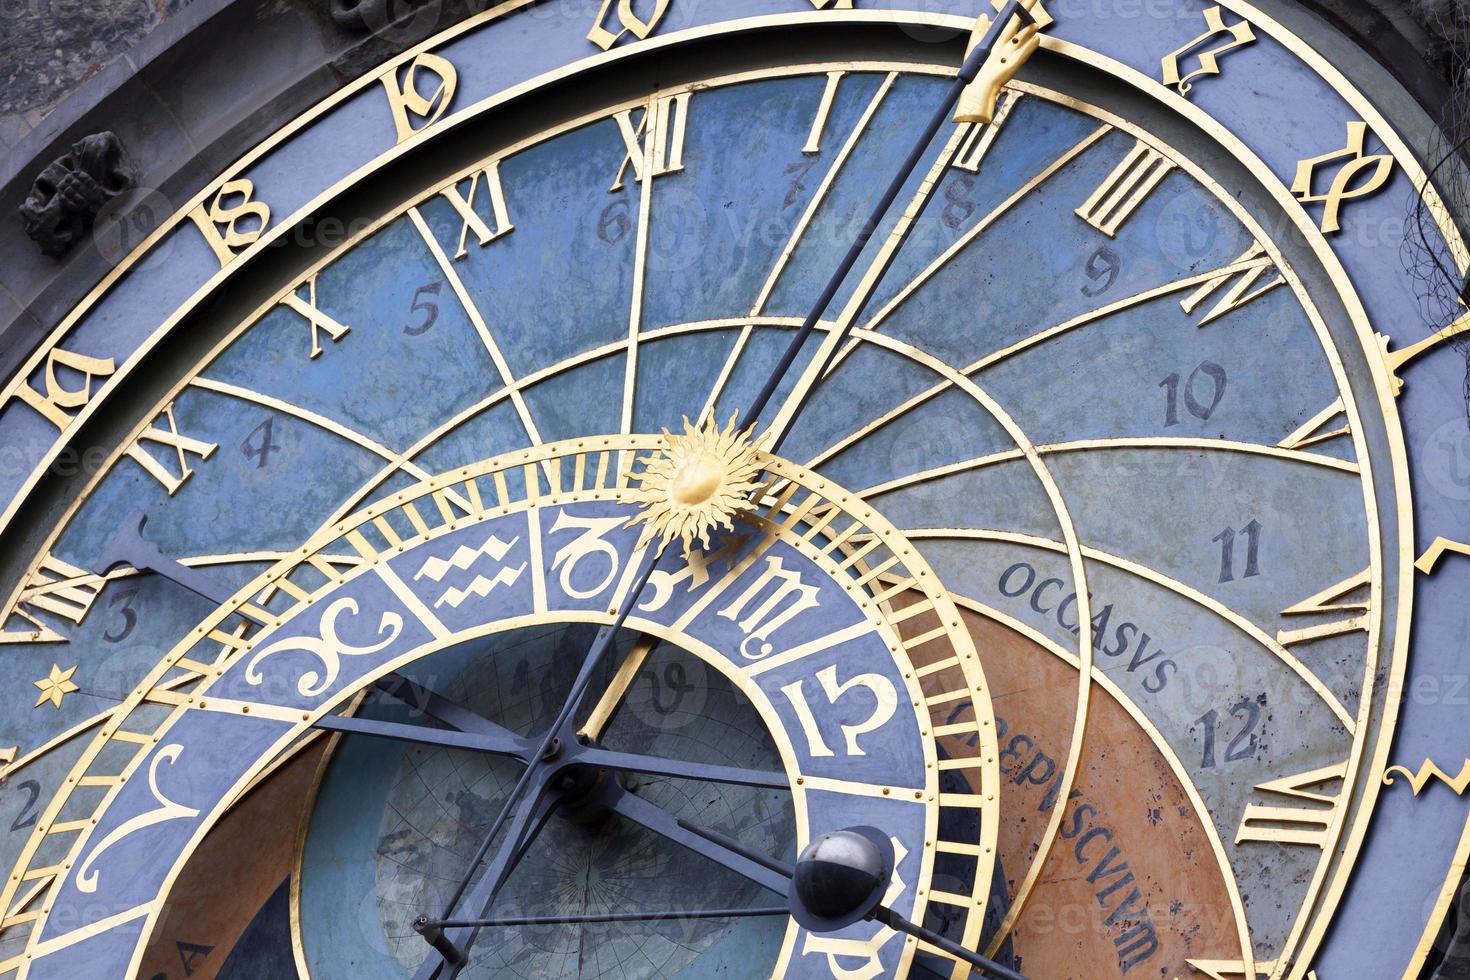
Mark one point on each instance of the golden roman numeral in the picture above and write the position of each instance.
(58, 403)
(1125, 189)
(59, 589)
(1329, 600)
(1242, 275)
(171, 439)
(414, 112)
(664, 122)
(824, 111)
(1316, 430)
(628, 22)
(1267, 823)
(219, 219)
(318, 320)
(981, 138)
(464, 206)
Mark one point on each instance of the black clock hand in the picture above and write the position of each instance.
(761, 869)
(559, 731)
(453, 948)
(129, 547)
(536, 776)
(1003, 68)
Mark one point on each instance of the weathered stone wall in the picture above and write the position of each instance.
(49, 47)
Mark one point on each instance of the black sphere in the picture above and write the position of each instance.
(840, 873)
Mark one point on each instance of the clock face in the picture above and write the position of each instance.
(1075, 554)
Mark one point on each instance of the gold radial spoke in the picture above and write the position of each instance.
(612, 699)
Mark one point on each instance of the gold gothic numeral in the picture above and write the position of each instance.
(1329, 600)
(980, 138)
(824, 110)
(1267, 823)
(1125, 189)
(1441, 547)
(627, 22)
(880, 687)
(464, 206)
(1427, 771)
(220, 217)
(777, 586)
(318, 320)
(1242, 275)
(1237, 35)
(664, 121)
(167, 810)
(414, 112)
(1395, 360)
(171, 439)
(58, 403)
(1346, 184)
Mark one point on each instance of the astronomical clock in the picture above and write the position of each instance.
(792, 488)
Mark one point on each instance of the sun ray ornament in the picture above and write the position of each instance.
(701, 481)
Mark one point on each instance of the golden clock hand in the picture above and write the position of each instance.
(612, 698)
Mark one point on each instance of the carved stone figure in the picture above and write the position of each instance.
(68, 195)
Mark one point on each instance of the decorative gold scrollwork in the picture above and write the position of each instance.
(88, 875)
(329, 648)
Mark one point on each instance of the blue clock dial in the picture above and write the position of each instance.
(1079, 561)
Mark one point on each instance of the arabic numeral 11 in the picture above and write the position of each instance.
(1226, 540)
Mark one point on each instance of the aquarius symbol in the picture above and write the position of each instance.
(463, 560)
(167, 809)
(329, 648)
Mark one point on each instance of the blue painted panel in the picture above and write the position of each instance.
(720, 225)
(95, 958)
(326, 649)
(188, 773)
(949, 428)
(676, 375)
(398, 373)
(133, 624)
(562, 282)
(492, 432)
(1003, 496)
(885, 144)
(584, 401)
(235, 501)
(1199, 494)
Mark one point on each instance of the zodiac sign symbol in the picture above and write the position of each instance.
(167, 809)
(464, 559)
(328, 648)
(766, 617)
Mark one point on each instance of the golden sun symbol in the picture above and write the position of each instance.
(701, 481)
